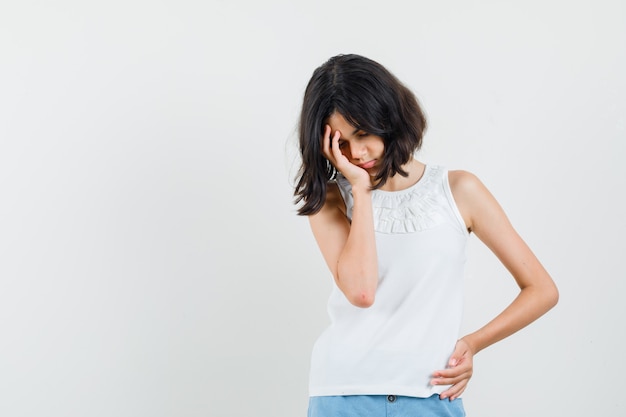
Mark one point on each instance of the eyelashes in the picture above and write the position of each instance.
(360, 135)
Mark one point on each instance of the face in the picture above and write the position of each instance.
(361, 148)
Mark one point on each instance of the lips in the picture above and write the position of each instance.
(368, 164)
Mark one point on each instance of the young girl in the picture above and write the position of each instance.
(393, 232)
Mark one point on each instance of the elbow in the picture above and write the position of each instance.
(361, 299)
(553, 296)
(548, 296)
(359, 287)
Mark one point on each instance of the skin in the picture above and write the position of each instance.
(349, 249)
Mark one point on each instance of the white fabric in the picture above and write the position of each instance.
(394, 346)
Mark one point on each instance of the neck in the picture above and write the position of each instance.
(414, 168)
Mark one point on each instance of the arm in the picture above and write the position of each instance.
(538, 293)
(349, 249)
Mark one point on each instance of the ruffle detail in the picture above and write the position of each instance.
(406, 211)
(411, 210)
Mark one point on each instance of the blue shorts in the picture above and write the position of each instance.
(384, 406)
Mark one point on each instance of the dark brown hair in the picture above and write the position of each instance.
(369, 97)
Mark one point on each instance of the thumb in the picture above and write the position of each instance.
(456, 356)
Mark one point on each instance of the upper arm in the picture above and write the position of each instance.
(331, 227)
(485, 217)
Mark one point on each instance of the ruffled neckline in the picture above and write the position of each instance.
(409, 210)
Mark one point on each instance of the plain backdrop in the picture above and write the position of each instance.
(151, 261)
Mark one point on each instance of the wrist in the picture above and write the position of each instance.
(471, 343)
(361, 189)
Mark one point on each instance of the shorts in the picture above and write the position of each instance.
(384, 406)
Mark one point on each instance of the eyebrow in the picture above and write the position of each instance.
(354, 132)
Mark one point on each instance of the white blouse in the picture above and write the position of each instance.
(394, 346)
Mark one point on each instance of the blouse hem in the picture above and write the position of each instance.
(377, 390)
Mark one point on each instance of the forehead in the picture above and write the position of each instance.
(336, 121)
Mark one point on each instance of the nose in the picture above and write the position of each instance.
(357, 150)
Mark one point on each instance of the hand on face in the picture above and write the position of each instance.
(330, 149)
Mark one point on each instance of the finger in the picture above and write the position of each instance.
(451, 380)
(455, 359)
(452, 372)
(326, 141)
(455, 391)
(459, 354)
(451, 376)
(335, 145)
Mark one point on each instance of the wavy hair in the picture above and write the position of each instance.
(369, 97)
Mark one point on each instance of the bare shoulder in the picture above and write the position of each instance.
(471, 196)
(333, 195)
(465, 186)
(334, 200)
(462, 182)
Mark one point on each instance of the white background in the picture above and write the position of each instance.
(151, 261)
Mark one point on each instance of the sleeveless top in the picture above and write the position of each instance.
(394, 346)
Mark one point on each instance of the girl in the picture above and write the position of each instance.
(393, 233)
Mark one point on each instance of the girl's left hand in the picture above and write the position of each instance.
(458, 373)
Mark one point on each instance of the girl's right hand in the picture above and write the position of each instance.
(356, 175)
